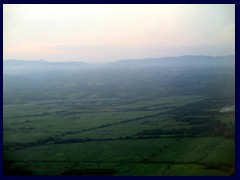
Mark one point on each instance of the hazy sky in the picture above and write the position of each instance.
(103, 33)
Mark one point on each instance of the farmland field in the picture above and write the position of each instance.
(120, 119)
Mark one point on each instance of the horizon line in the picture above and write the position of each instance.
(79, 61)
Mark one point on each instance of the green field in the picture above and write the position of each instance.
(155, 119)
(112, 141)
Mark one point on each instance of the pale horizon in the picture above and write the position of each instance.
(107, 33)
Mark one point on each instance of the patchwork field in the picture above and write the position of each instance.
(117, 142)
(155, 119)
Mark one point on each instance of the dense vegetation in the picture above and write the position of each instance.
(169, 116)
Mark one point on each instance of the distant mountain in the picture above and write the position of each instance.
(182, 61)
(126, 79)
(23, 67)
(14, 62)
(186, 57)
(230, 59)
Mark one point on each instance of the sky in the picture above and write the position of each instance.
(105, 33)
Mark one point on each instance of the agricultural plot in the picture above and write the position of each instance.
(142, 121)
(147, 142)
(126, 157)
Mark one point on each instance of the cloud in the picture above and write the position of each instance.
(227, 109)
